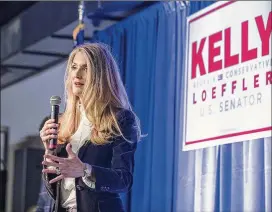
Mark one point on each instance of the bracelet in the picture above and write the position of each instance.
(86, 171)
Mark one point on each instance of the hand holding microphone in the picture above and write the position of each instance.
(49, 131)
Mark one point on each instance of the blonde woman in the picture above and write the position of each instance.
(97, 136)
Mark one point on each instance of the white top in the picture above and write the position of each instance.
(68, 191)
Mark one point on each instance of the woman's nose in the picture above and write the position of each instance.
(78, 74)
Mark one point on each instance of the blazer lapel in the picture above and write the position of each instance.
(83, 148)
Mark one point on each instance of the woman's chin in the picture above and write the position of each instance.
(77, 91)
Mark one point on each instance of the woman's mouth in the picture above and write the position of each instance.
(78, 84)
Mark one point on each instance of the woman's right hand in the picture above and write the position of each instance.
(48, 132)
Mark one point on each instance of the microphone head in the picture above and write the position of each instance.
(55, 100)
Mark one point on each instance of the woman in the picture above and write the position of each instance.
(97, 136)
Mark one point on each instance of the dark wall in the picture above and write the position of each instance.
(8, 10)
(27, 178)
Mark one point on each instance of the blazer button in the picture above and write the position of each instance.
(80, 188)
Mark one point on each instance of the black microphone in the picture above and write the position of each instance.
(55, 102)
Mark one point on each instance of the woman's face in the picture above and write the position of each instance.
(78, 73)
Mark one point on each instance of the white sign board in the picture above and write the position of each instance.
(228, 74)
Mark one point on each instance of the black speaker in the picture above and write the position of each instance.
(27, 178)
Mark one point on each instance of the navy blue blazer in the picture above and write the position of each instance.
(112, 166)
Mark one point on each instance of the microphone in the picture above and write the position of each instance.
(55, 102)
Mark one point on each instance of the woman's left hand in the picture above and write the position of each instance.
(68, 167)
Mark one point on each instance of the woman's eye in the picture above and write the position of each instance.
(73, 68)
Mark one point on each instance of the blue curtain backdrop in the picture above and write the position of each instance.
(149, 48)
(232, 177)
(146, 48)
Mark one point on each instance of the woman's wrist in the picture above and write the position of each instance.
(88, 177)
(87, 170)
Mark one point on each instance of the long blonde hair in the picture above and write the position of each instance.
(102, 97)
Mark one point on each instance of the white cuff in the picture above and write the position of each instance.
(86, 178)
